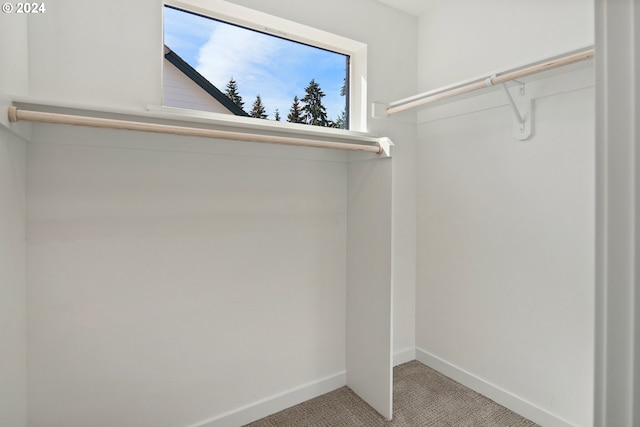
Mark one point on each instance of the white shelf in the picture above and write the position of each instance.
(183, 117)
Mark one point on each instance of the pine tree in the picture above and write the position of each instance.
(276, 116)
(258, 110)
(341, 121)
(295, 113)
(343, 89)
(232, 93)
(314, 113)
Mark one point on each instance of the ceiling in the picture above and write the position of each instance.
(413, 7)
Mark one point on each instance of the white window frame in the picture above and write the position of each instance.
(270, 24)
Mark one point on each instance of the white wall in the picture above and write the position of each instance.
(169, 287)
(462, 39)
(13, 402)
(108, 55)
(173, 280)
(505, 266)
(13, 80)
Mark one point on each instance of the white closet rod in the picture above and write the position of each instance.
(16, 115)
(460, 88)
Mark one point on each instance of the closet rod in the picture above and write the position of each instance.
(16, 115)
(460, 88)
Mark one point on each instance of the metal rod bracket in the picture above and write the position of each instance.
(521, 108)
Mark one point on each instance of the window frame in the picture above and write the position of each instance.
(283, 28)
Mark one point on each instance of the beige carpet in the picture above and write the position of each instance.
(421, 397)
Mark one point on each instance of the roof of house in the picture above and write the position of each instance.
(201, 81)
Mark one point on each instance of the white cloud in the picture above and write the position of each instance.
(246, 56)
(185, 33)
(261, 65)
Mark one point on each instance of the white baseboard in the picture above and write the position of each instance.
(404, 356)
(493, 392)
(276, 403)
(271, 405)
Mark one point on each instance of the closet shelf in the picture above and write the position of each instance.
(193, 123)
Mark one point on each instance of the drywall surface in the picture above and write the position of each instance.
(91, 53)
(505, 252)
(505, 264)
(13, 329)
(14, 71)
(462, 39)
(13, 397)
(167, 287)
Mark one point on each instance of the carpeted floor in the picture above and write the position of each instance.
(421, 397)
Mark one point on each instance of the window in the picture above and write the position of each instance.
(213, 62)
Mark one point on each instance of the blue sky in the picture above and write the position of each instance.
(274, 68)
